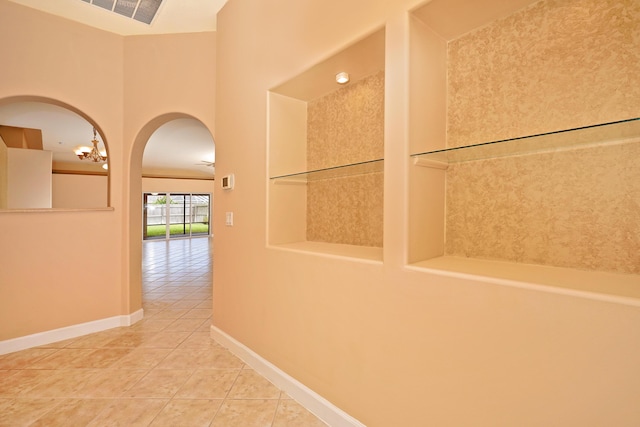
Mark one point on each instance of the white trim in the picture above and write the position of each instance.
(312, 401)
(68, 332)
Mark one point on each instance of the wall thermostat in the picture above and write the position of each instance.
(227, 182)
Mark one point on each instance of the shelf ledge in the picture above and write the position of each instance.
(613, 133)
(334, 250)
(596, 285)
(360, 168)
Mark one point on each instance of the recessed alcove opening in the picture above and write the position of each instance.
(489, 195)
(326, 144)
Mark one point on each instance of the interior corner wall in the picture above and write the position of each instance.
(388, 344)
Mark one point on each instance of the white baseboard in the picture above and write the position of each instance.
(68, 332)
(318, 405)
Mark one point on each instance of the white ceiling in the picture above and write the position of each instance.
(180, 146)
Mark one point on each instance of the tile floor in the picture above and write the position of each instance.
(163, 371)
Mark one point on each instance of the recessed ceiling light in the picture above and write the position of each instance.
(342, 78)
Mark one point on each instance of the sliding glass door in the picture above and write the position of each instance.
(173, 215)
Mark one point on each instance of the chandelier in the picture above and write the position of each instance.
(93, 153)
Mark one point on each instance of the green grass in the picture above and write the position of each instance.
(160, 230)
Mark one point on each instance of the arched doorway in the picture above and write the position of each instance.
(176, 167)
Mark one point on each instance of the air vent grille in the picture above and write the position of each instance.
(140, 10)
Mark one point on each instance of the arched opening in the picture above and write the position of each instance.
(172, 154)
(45, 153)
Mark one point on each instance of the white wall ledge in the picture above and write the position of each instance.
(597, 285)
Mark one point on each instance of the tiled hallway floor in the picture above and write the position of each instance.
(163, 371)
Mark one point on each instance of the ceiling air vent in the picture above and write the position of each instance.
(140, 10)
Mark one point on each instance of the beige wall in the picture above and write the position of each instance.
(74, 191)
(103, 76)
(29, 178)
(169, 185)
(389, 345)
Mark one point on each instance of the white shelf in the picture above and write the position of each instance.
(599, 285)
(363, 253)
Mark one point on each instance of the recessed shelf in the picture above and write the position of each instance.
(335, 250)
(355, 169)
(570, 139)
(599, 285)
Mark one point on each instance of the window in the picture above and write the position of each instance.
(173, 215)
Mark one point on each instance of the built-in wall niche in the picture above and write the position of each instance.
(326, 145)
(524, 146)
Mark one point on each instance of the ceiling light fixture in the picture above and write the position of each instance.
(342, 78)
(93, 153)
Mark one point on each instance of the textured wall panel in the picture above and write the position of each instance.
(578, 209)
(346, 126)
(555, 65)
(558, 64)
(346, 210)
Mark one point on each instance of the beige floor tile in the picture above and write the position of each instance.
(159, 383)
(102, 358)
(110, 383)
(77, 412)
(64, 357)
(132, 338)
(171, 313)
(22, 381)
(217, 358)
(97, 340)
(251, 385)
(24, 358)
(61, 383)
(180, 358)
(187, 413)
(291, 414)
(5, 373)
(208, 384)
(166, 339)
(184, 324)
(142, 358)
(205, 304)
(129, 413)
(23, 412)
(198, 313)
(206, 327)
(58, 344)
(156, 305)
(185, 304)
(245, 413)
(151, 324)
(200, 339)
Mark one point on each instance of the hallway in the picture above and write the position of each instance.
(163, 371)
